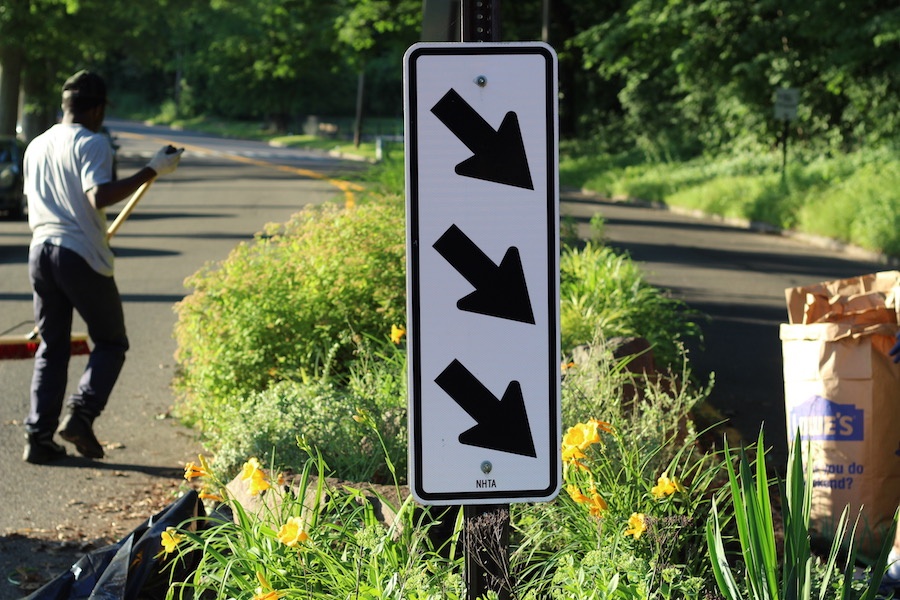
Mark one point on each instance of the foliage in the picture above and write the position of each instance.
(861, 207)
(289, 306)
(852, 198)
(637, 485)
(693, 76)
(314, 541)
(333, 417)
(670, 79)
(629, 524)
(801, 573)
(604, 291)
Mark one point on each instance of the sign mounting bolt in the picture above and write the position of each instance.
(486, 467)
(481, 81)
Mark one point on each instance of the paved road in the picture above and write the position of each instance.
(221, 195)
(737, 277)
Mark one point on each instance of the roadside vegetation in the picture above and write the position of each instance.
(852, 197)
(646, 509)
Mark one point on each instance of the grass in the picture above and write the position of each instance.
(853, 198)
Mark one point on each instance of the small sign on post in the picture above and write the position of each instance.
(786, 101)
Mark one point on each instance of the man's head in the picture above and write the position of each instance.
(84, 96)
(83, 91)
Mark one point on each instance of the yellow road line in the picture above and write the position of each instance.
(348, 188)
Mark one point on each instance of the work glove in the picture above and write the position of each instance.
(895, 351)
(166, 160)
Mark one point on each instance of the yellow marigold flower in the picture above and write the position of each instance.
(636, 525)
(192, 470)
(397, 333)
(291, 533)
(596, 504)
(253, 473)
(666, 486)
(170, 539)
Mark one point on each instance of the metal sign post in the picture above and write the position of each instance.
(483, 282)
(786, 101)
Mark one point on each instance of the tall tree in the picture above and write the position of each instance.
(369, 28)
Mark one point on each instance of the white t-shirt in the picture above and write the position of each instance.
(60, 166)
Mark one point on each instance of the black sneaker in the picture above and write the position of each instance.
(76, 429)
(41, 449)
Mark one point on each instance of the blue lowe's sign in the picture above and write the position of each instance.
(821, 419)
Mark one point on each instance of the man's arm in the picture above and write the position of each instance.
(107, 194)
(110, 193)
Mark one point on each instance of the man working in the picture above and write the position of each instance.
(69, 184)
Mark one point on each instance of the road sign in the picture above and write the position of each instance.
(483, 272)
(786, 101)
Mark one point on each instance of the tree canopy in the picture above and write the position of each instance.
(670, 77)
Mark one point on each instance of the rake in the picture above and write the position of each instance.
(24, 346)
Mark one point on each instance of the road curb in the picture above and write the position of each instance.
(756, 226)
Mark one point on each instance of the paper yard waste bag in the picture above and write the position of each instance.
(842, 392)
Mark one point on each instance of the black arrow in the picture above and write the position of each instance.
(499, 291)
(502, 424)
(499, 156)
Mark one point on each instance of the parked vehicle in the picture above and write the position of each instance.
(12, 197)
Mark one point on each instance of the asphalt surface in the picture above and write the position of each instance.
(224, 192)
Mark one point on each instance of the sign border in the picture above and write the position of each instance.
(413, 265)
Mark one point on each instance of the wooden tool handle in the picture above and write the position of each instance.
(120, 218)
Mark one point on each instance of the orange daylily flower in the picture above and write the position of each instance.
(253, 473)
(666, 486)
(397, 333)
(193, 470)
(636, 525)
(291, 533)
(170, 539)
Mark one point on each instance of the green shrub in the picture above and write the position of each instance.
(290, 305)
(333, 417)
(798, 573)
(604, 292)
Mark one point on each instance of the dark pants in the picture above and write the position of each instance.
(63, 281)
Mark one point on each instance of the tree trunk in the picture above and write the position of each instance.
(10, 78)
(360, 95)
(42, 99)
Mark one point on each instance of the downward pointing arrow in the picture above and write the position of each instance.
(499, 291)
(499, 156)
(502, 424)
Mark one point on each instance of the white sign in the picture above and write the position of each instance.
(786, 101)
(483, 272)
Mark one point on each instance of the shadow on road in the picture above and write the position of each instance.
(79, 462)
